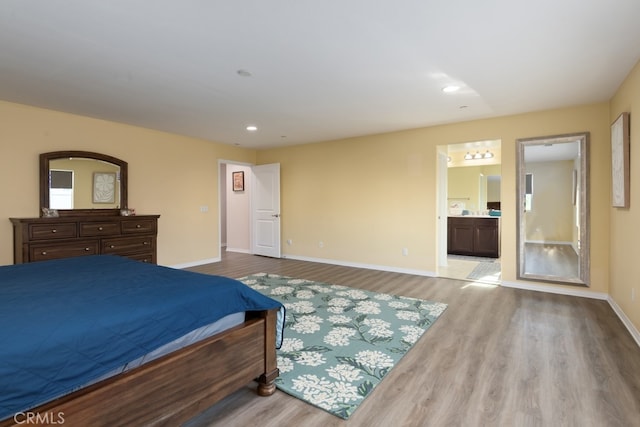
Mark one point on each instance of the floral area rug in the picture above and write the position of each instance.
(340, 342)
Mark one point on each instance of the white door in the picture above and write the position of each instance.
(265, 210)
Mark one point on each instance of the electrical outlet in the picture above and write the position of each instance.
(405, 251)
(321, 244)
(289, 242)
(204, 209)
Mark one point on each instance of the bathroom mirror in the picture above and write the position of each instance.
(552, 211)
(81, 182)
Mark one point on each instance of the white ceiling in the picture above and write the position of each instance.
(320, 70)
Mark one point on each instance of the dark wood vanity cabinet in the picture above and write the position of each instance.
(39, 239)
(474, 236)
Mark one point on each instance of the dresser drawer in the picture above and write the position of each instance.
(147, 226)
(91, 229)
(148, 257)
(128, 245)
(63, 250)
(59, 230)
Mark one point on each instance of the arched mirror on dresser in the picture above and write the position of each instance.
(84, 211)
(77, 182)
(553, 208)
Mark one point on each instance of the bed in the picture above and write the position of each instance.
(75, 333)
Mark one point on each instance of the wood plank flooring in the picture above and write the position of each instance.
(496, 357)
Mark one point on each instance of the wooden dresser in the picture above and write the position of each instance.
(39, 239)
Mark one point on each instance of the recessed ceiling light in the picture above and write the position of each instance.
(450, 88)
(252, 128)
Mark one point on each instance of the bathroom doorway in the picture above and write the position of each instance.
(470, 212)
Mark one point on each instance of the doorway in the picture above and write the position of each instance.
(249, 202)
(469, 211)
(235, 214)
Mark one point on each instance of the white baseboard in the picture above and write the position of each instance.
(365, 266)
(550, 242)
(239, 250)
(625, 320)
(556, 290)
(196, 263)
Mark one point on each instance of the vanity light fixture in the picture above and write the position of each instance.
(450, 88)
(478, 156)
(252, 128)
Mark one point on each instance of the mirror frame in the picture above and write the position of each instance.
(46, 158)
(582, 199)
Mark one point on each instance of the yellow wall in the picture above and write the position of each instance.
(367, 198)
(169, 175)
(625, 229)
(551, 218)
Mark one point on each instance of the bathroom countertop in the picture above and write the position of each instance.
(473, 216)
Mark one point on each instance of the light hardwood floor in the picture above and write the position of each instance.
(496, 357)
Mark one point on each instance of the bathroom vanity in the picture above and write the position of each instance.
(474, 236)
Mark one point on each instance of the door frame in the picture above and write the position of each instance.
(222, 191)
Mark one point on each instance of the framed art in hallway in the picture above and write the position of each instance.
(238, 181)
(620, 161)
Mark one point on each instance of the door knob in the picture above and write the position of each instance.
(276, 215)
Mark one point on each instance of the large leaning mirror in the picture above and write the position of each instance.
(77, 182)
(552, 212)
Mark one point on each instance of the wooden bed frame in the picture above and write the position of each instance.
(174, 388)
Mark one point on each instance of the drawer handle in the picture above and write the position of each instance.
(138, 226)
(99, 228)
(44, 253)
(54, 230)
(112, 246)
(145, 243)
(87, 249)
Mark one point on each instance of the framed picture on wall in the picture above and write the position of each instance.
(620, 161)
(238, 181)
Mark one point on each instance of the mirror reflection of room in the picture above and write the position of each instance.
(72, 183)
(552, 215)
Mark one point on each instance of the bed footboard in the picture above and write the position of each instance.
(176, 387)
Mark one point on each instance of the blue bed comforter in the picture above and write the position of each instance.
(65, 323)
